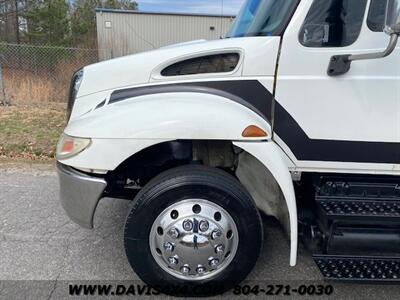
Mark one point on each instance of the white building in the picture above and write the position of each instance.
(127, 32)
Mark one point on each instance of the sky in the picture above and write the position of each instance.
(227, 7)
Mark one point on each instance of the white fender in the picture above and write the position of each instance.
(278, 164)
(122, 129)
(169, 116)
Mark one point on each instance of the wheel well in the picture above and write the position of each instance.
(143, 166)
(135, 172)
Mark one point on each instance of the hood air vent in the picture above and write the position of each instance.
(218, 63)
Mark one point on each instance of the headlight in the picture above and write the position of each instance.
(73, 91)
(69, 146)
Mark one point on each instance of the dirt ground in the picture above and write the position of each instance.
(30, 133)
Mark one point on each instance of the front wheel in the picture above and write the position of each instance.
(193, 230)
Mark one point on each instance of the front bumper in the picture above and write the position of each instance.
(79, 194)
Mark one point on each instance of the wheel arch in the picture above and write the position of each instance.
(277, 163)
(268, 162)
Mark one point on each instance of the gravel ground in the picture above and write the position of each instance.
(42, 251)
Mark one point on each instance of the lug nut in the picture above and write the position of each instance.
(203, 225)
(185, 270)
(174, 233)
(219, 249)
(173, 260)
(168, 247)
(187, 225)
(201, 270)
(216, 234)
(213, 262)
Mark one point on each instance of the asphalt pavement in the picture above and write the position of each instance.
(42, 251)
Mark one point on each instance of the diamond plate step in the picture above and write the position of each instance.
(360, 208)
(368, 269)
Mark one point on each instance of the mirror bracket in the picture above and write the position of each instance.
(340, 64)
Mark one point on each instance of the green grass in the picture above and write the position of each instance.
(31, 132)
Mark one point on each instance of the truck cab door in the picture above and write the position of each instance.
(349, 122)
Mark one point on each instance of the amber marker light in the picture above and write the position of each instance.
(253, 131)
(69, 146)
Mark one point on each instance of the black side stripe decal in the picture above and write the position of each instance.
(252, 94)
(101, 104)
(307, 149)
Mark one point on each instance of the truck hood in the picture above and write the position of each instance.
(258, 58)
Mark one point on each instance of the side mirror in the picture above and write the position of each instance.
(340, 64)
(392, 19)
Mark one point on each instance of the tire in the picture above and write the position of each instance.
(173, 188)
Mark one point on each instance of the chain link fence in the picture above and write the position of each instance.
(41, 73)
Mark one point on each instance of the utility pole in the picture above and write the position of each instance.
(3, 98)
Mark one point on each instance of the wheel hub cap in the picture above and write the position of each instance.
(194, 239)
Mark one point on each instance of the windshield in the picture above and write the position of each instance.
(262, 17)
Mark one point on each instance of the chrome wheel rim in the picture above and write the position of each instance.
(194, 239)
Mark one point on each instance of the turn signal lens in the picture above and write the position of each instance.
(69, 146)
(253, 132)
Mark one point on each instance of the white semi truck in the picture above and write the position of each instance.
(295, 114)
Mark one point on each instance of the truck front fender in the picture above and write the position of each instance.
(170, 116)
(273, 158)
